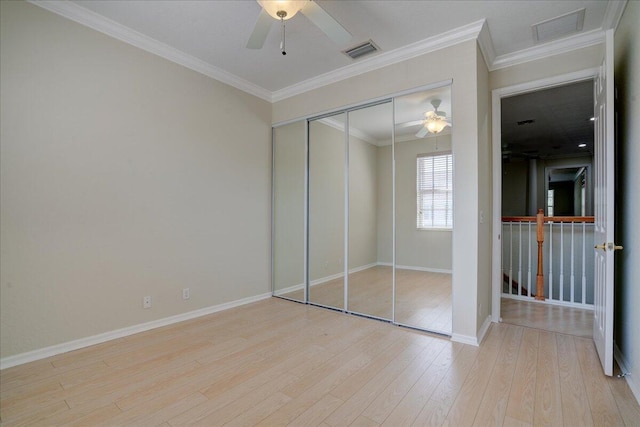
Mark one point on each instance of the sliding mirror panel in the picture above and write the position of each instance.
(424, 211)
(289, 163)
(370, 284)
(327, 157)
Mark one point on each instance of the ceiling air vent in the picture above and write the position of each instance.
(560, 26)
(361, 50)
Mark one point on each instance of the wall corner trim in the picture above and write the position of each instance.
(470, 339)
(53, 350)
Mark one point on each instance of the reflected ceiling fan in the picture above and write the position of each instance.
(283, 10)
(435, 121)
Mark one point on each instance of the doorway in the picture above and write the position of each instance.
(543, 155)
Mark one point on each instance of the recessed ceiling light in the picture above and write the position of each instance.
(582, 145)
(592, 119)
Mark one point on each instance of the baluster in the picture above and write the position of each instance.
(510, 288)
(584, 267)
(519, 287)
(561, 261)
(550, 259)
(529, 264)
(572, 262)
(502, 255)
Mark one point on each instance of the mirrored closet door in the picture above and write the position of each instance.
(370, 284)
(327, 201)
(424, 211)
(363, 210)
(289, 201)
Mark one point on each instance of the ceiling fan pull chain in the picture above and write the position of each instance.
(282, 47)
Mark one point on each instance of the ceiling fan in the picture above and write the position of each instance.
(283, 10)
(435, 121)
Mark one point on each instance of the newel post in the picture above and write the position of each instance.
(540, 238)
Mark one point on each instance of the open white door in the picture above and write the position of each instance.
(604, 163)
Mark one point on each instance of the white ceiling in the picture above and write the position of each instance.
(210, 36)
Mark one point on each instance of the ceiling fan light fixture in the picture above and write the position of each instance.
(435, 121)
(282, 9)
(435, 124)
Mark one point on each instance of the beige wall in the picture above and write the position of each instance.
(459, 64)
(485, 191)
(428, 249)
(627, 78)
(363, 203)
(119, 179)
(289, 157)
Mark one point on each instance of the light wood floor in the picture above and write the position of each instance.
(423, 299)
(277, 362)
(553, 318)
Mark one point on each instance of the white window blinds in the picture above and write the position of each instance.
(434, 191)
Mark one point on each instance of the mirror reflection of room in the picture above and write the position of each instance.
(424, 212)
(357, 206)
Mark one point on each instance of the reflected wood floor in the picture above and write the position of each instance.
(277, 362)
(553, 318)
(423, 299)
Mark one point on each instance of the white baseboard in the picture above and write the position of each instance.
(30, 356)
(341, 274)
(293, 288)
(465, 339)
(411, 267)
(634, 385)
(471, 340)
(483, 329)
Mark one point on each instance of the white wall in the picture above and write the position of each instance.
(458, 63)
(627, 80)
(122, 175)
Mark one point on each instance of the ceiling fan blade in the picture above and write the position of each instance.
(423, 132)
(326, 23)
(260, 30)
(409, 124)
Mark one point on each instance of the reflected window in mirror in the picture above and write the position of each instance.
(434, 189)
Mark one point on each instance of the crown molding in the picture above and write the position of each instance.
(335, 124)
(111, 28)
(486, 45)
(556, 47)
(613, 14)
(441, 41)
(478, 30)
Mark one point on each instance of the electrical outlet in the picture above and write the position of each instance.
(146, 302)
(185, 293)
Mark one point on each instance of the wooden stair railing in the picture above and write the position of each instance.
(540, 219)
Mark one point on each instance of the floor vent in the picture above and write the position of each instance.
(362, 49)
(560, 26)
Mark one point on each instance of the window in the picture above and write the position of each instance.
(434, 191)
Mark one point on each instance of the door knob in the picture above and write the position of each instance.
(610, 246)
